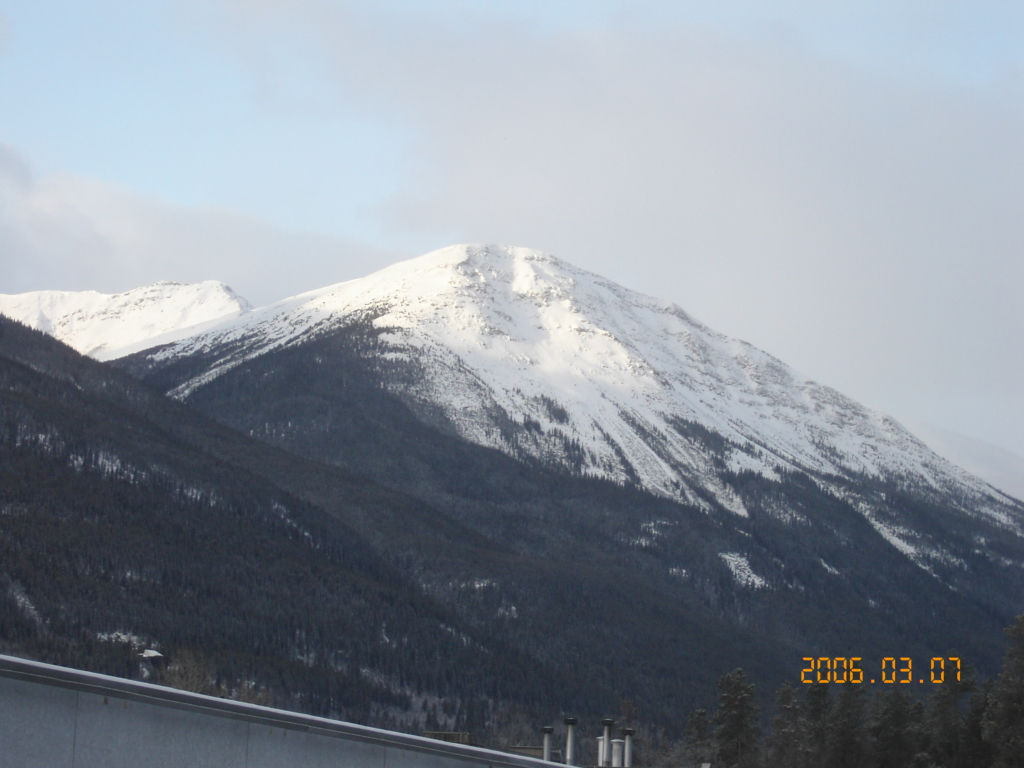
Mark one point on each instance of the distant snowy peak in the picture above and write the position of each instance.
(601, 379)
(106, 326)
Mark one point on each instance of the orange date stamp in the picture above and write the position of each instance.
(893, 670)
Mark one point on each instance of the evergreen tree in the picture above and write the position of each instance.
(891, 730)
(431, 722)
(736, 722)
(974, 750)
(919, 734)
(847, 729)
(817, 706)
(1004, 716)
(787, 745)
(697, 747)
(944, 724)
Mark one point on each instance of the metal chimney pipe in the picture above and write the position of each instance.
(547, 730)
(607, 756)
(600, 750)
(628, 735)
(570, 740)
(617, 745)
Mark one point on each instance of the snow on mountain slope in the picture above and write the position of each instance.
(626, 386)
(107, 326)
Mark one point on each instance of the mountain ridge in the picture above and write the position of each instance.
(531, 556)
(803, 551)
(106, 326)
(205, 313)
(145, 470)
(519, 351)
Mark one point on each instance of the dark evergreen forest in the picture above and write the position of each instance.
(327, 549)
(333, 399)
(959, 723)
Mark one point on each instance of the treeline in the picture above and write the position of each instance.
(960, 724)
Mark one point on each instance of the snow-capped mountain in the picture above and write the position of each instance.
(465, 411)
(106, 326)
(599, 379)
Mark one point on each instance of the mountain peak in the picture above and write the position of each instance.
(517, 350)
(105, 326)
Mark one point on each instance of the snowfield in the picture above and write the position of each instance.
(107, 326)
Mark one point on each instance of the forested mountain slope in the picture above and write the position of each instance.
(128, 519)
(804, 567)
(126, 522)
(565, 581)
(517, 350)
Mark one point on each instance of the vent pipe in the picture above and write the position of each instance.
(605, 753)
(617, 745)
(570, 740)
(627, 734)
(547, 730)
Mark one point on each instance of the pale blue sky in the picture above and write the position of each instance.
(148, 94)
(840, 183)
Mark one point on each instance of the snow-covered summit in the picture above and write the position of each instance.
(106, 326)
(610, 381)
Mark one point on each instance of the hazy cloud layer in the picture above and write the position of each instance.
(868, 230)
(857, 214)
(72, 233)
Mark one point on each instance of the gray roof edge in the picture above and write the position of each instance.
(158, 695)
